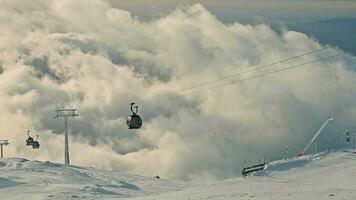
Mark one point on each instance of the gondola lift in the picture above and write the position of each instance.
(36, 144)
(29, 140)
(134, 120)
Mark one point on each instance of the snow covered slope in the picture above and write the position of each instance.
(23, 179)
(321, 176)
(318, 176)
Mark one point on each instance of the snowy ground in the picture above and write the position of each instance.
(320, 176)
(23, 179)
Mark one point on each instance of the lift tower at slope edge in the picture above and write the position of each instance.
(3, 143)
(65, 113)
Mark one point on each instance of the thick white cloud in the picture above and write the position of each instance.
(89, 55)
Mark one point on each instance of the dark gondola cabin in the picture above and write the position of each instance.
(29, 140)
(36, 144)
(134, 120)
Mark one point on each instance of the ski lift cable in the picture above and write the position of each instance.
(345, 43)
(251, 70)
(251, 77)
(241, 73)
(264, 74)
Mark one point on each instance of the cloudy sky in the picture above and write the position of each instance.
(99, 58)
(229, 10)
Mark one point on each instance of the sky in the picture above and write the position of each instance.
(98, 58)
(232, 10)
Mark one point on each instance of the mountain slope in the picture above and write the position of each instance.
(319, 176)
(23, 179)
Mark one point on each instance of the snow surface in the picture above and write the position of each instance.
(24, 179)
(320, 176)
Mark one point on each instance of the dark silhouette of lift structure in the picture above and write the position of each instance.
(254, 168)
(65, 113)
(2, 144)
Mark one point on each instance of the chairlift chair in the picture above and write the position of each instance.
(134, 120)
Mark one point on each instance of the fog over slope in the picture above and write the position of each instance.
(99, 59)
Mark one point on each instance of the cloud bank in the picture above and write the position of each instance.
(99, 59)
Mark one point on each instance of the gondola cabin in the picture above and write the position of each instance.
(36, 144)
(134, 120)
(29, 140)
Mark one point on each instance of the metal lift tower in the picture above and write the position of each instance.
(65, 113)
(3, 143)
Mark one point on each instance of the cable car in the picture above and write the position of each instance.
(29, 140)
(36, 144)
(134, 121)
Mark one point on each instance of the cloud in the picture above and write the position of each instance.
(99, 59)
(230, 10)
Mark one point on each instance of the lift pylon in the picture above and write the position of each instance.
(3, 143)
(65, 113)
